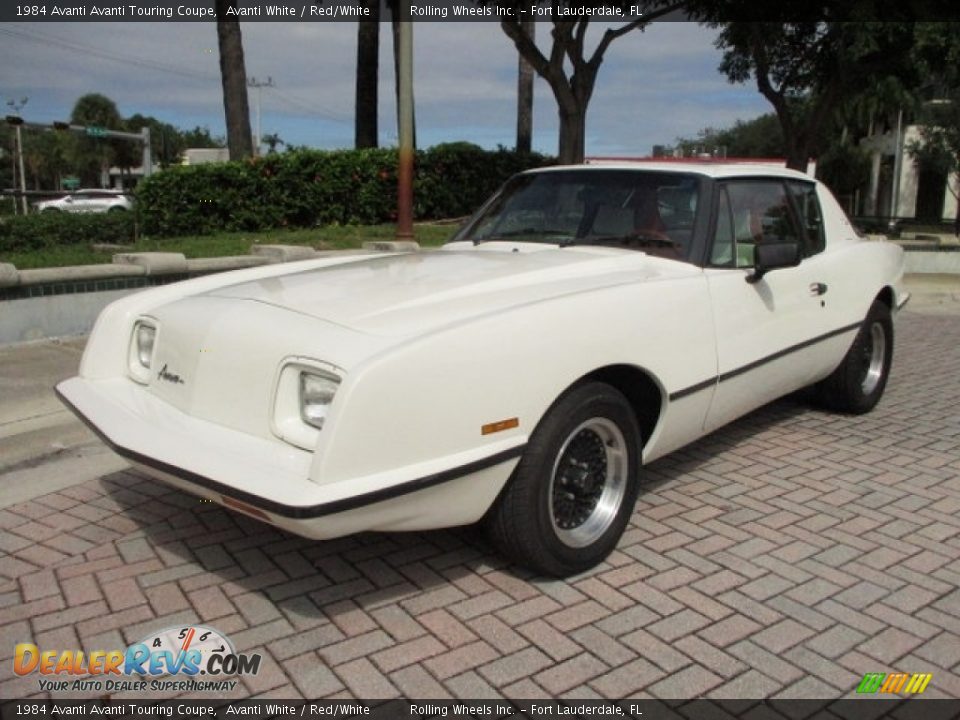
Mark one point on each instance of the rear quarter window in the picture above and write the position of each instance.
(805, 198)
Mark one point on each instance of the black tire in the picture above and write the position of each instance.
(50, 210)
(117, 209)
(555, 516)
(857, 384)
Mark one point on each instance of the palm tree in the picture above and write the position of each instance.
(368, 70)
(233, 75)
(525, 94)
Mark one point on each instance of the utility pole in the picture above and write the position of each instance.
(17, 107)
(13, 171)
(405, 131)
(147, 162)
(258, 84)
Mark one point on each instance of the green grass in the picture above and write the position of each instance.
(335, 237)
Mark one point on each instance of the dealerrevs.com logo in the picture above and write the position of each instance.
(176, 659)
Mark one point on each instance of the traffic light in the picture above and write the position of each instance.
(60, 125)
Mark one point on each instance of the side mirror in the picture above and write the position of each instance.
(773, 256)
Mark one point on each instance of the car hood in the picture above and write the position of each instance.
(410, 293)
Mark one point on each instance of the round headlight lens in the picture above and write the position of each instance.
(316, 394)
(146, 334)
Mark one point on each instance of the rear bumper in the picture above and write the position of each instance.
(270, 480)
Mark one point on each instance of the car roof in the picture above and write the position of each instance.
(700, 167)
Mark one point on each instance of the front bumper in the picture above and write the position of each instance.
(270, 480)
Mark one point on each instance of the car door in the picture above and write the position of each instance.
(96, 202)
(79, 202)
(767, 331)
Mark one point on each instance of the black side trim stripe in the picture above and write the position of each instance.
(298, 512)
(730, 374)
(693, 389)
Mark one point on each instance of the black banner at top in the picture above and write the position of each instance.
(468, 10)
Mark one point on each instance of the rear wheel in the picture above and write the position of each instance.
(573, 491)
(857, 385)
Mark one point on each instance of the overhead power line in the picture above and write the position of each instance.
(45, 39)
(36, 37)
(308, 107)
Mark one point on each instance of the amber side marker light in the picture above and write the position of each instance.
(244, 508)
(500, 426)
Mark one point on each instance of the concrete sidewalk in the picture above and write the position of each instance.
(785, 555)
(43, 447)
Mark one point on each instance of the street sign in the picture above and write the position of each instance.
(94, 131)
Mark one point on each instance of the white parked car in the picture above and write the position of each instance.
(586, 321)
(88, 201)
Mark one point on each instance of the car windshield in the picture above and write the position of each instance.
(649, 211)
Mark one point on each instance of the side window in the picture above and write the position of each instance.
(808, 207)
(758, 211)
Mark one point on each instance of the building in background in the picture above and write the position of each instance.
(202, 156)
(901, 187)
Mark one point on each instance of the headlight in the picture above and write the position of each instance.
(140, 354)
(316, 394)
(146, 334)
(303, 397)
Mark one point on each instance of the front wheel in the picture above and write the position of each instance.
(571, 495)
(857, 385)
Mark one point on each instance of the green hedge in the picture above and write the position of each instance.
(34, 232)
(305, 188)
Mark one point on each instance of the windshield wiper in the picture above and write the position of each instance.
(639, 239)
(526, 231)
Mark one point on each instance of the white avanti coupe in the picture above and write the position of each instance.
(586, 321)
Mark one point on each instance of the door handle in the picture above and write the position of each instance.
(818, 288)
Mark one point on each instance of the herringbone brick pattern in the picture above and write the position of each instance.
(787, 554)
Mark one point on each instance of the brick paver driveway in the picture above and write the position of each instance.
(787, 554)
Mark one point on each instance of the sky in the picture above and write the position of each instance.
(653, 87)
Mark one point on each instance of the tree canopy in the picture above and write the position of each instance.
(756, 138)
(50, 156)
(92, 156)
(806, 70)
(570, 68)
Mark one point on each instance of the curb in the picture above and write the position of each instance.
(152, 264)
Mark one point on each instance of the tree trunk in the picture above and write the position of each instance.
(233, 75)
(368, 71)
(573, 130)
(525, 94)
(797, 157)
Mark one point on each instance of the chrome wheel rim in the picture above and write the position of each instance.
(588, 482)
(874, 357)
